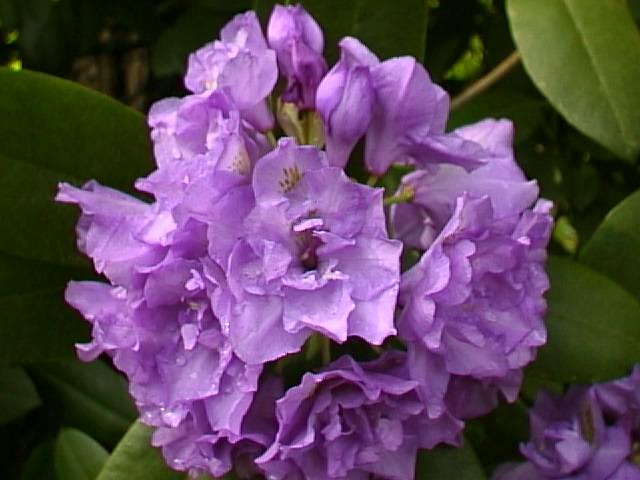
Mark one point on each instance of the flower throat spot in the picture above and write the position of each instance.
(292, 176)
(587, 428)
(241, 163)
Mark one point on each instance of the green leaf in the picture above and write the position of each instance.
(593, 326)
(445, 463)
(78, 456)
(37, 326)
(17, 394)
(32, 300)
(88, 396)
(387, 28)
(614, 248)
(497, 435)
(53, 130)
(41, 463)
(135, 459)
(57, 130)
(584, 55)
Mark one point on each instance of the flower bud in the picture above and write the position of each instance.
(345, 100)
(298, 42)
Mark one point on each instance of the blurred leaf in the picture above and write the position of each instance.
(46, 29)
(450, 26)
(585, 57)
(548, 168)
(497, 435)
(37, 326)
(445, 463)
(40, 463)
(20, 275)
(470, 64)
(565, 234)
(88, 396)
(135, 459)
(525, 111)
(614, 248)
(78, 456)
(387, 28)
(593, 326)
(532, 384)
(586, 184)
(196, 27)
(17, 394)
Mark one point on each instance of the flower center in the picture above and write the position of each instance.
(307, 242)
(308, 250)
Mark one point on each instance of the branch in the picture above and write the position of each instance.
(483, 83)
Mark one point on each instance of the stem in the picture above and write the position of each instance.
(403, 196)
(326, 350)
(486, 81)
(272, 138)
(372, 180)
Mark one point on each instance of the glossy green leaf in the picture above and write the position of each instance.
(135, 459)
(446, 463)
(593, 326)
(53, 130)
(614, 248)
(88, 396)
(32, 300)
(584, 55)
(387, 28)
(17, 394)
(78, 456)
(59, 131)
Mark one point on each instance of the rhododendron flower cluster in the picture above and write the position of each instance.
(262, 249)
(590, 432)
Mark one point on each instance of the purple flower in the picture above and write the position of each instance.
(198, 136)
(121, 234)
(311, 254)
(437, 187)
(409, 120)
(200, 449)
(620, 397)
(298, 42)
(345, 100)
(570, 439)
(476, 296)
(240, 63)
(156, 321)
(352, 420)
(402, 111)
